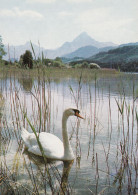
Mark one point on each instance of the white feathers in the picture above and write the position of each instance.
(52, 146)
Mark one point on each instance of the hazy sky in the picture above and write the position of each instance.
(53, 22)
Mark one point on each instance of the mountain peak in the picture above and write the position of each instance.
(82, 40)
(83, 36)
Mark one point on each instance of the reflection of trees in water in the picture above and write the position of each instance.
(27, 83)
(119, 84)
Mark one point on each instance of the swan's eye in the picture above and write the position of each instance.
(76, 112)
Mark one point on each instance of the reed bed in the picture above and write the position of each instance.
(56, 73)
(112, 162)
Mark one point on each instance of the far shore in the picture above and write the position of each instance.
(53, 72)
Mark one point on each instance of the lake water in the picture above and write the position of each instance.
(105, 143)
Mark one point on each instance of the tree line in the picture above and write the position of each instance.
(26, 60)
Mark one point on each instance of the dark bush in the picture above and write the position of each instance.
(27, 59)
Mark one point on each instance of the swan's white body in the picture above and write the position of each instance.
(52, 145)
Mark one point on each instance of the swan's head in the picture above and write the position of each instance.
(73, 112)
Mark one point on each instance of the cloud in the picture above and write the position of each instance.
(16, 12)
(79, 1)
(53, 1)
(65, 13)
(102, 17)
(41, 1)
(103, 21)
(93, 16)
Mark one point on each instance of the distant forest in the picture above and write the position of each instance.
(124, 58)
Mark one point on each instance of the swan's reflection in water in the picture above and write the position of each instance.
(61, 175)
(65, 174)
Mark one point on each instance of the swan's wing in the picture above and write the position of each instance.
(52, 146)
(28, 138)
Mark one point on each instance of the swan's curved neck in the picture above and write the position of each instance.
(68, 153)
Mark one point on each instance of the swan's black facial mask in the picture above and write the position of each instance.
(77, 113)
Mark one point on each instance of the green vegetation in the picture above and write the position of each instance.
(55, 73)
(124, 58)
(2, 52)
(26, 59)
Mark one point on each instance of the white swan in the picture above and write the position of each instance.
(52, 145)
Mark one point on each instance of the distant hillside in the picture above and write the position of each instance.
(68, 47)
(17, 51)
(83, 52)
(128, 44)
(125, 58)
(86, 52)
(69, 60)
(80, 41)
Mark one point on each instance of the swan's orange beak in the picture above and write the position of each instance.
(78, 115)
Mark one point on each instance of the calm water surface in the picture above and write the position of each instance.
(104, 144)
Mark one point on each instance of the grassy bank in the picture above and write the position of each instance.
(51, 72)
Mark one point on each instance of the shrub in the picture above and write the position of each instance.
(57, 64)
(78, 65)
(94, 66)
(27, 59)
(85, 65)
(2, 51)
(58, 59)
(48, 62)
